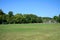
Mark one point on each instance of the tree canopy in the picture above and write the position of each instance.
(19, 18)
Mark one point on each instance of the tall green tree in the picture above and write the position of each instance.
(18, 18)
(10, 17)
(59, 18)
(55, 18)
(2, 17)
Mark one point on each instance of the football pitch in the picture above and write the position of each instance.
(30, 31)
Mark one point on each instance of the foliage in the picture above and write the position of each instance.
(10, 18)
(57, 18)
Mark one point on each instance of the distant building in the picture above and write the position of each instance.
(49, 21)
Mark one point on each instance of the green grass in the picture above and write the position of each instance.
(30, 32)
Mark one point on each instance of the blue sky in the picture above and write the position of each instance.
(43, 8)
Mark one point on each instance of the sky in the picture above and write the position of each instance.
(43, 8)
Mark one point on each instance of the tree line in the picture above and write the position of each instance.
(10, 18)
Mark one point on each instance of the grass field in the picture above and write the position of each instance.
(30, 32)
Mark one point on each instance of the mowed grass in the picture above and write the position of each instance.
(30, 32)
